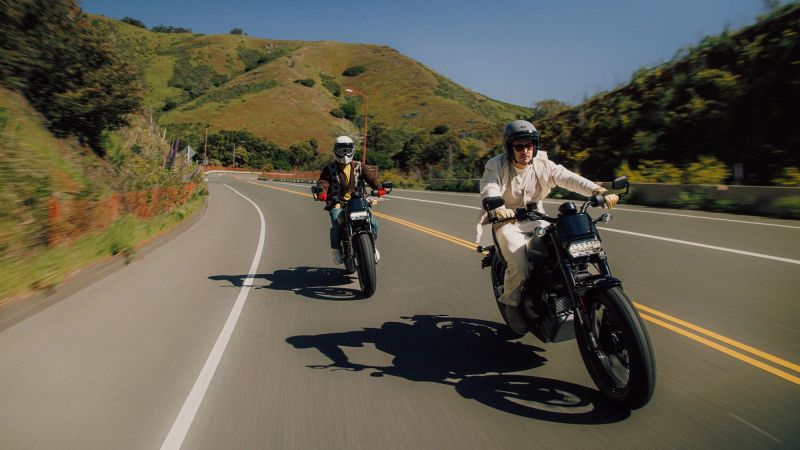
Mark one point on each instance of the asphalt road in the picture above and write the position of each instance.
(185, 347)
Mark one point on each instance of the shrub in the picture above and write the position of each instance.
(330, 84)
(708, 170)
(307, 82)
(237, 31)
(169, 29)
(338, 113)
(790, 177)
(349, 110)
(354, 71)
(656, 171)
(441, 129)
(787, 207)
(132, 21)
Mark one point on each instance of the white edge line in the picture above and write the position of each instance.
(677, 241)
(755, 428)
(697, 244)
(180, 427)
(706, 218)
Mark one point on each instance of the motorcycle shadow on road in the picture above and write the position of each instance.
(318, 283)
(478, 358)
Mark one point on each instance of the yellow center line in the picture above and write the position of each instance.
(719, 337)
(645, 310)
(723, 349)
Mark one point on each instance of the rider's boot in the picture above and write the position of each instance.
(514, 319)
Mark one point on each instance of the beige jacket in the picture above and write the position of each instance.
(538, 182)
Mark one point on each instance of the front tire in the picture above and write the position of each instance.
(365, 262)
(498, 278)
(616, 348)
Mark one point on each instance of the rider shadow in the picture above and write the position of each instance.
(474, 356)
(319, 283)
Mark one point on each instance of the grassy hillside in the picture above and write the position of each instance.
(241, 82)
(733, 97)
(37, 168)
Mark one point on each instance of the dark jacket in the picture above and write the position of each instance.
(332, 180)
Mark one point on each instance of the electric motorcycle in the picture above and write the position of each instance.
(357, 239)
(570, 293)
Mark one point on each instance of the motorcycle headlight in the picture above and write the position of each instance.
(358, 215)
(584, 247)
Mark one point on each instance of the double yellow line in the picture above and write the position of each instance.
(713, 340)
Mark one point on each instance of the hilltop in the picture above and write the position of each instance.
(290, 91)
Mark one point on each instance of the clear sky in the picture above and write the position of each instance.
(518, 51)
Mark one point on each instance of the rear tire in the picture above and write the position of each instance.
(622, 363)
(365, 262)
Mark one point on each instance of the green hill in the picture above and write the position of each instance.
(733, 97)
(237, 82)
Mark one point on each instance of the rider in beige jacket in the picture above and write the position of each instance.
(524, 175)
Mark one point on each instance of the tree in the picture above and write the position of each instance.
(544, 109)
(66, 68)
(132, 21)
(169, 29)
(237, 31)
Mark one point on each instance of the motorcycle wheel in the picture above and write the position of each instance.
(365, 262)
(616, 348)
(498, 275)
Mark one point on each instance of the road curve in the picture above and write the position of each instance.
(207, 342)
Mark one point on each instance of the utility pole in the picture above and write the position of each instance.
(205, 149)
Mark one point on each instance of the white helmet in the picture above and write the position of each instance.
(343, 149)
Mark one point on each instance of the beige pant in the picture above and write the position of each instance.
(516, 241)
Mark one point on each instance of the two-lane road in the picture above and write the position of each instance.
(207, 342)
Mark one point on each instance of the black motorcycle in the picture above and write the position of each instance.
(357, 242)
(570, 293)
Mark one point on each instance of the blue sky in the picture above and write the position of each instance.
(512, 50)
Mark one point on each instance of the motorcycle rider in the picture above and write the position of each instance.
(523, 175)
(340, 178)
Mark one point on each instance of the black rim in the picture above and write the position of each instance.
(611, 354)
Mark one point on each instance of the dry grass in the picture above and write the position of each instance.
(403, 92)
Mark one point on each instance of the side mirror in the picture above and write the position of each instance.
(620, 183)
(492, 203)
(387, 185)
(316, 190)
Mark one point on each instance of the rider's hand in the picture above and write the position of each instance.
(337, 205)
(373, 201)
(611, 200)
(504, 214)
(322, 196)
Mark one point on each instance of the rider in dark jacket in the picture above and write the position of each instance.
(339, 179)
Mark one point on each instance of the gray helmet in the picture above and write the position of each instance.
(518, 129)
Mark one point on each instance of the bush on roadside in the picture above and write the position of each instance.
(707, 170)
(789, 177)
(787, 207)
